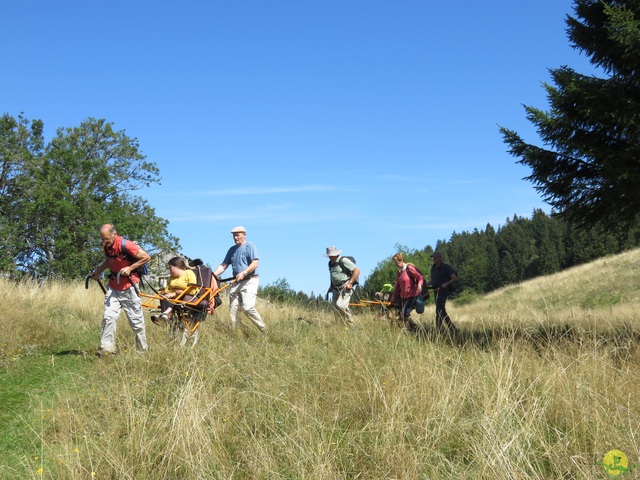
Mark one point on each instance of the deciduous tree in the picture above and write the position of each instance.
(55, 197)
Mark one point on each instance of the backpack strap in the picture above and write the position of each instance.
(124, 251)
(340, 262)
(413, 279)
(345, 270)
(131, 260)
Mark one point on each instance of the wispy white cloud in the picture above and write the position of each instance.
(268, 190)
(272, 207)
(269, 216)
(201, 217)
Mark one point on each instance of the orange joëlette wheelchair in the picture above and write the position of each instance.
(189, 310)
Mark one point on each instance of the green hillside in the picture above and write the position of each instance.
(606, 289)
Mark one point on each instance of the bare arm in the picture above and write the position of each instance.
(247, 271)
(95, 275)
(354, 277)
(141, 258)
(221, 268)
(452, 279)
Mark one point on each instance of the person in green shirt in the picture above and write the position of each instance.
(343, 275)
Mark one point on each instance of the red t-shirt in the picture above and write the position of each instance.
(117, 261)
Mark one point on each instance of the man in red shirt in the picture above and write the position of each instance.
(122, 290)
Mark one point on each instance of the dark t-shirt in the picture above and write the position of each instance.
(440, 275)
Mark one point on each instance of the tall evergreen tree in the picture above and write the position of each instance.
(491, 280)
(547, 258)
(589, 167)
(467, 252)
(516, 249)
(523, 248)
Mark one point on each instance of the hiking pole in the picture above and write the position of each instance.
(86, 283)
(151, 287)
(134, 284)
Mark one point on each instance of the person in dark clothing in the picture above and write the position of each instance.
(442, 275)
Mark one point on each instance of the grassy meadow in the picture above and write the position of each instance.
(542, 382)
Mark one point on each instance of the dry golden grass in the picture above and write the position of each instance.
(542, 382)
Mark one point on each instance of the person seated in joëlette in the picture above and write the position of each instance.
(180, 279)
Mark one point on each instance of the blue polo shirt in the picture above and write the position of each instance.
(240, 257)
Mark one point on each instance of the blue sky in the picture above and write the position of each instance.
(360, 124)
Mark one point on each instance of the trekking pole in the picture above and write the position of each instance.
(135, 285)
(86, 283)
(151, 287)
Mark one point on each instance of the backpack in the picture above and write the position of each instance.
(345, 270)
(143, 270)
(425, 290)
(454, 286)
(217, 301)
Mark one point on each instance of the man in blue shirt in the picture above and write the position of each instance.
(243, 259)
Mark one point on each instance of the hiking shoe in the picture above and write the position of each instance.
(155, 319)
(104, 353)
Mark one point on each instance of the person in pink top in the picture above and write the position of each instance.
(122, 290)
(407, 288)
